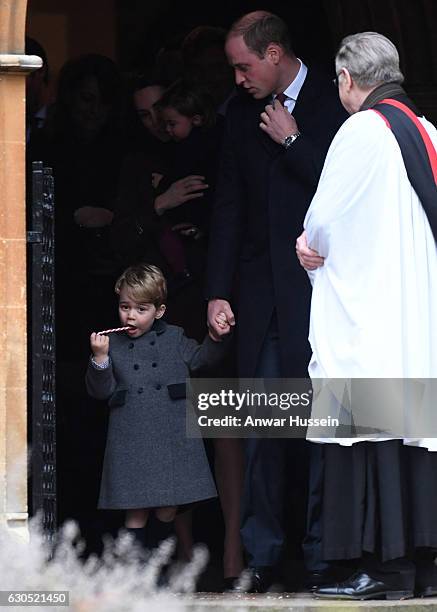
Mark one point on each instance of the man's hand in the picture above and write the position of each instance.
(277, 122)
(220, 318)
(308, 258)
(93, 216)
(99, 347)
(179, 192)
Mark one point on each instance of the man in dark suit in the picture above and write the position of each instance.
(270, 166)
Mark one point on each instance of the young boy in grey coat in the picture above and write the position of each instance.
(149, 462)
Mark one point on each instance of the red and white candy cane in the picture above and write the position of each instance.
(110, 331)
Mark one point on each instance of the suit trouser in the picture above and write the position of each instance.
(266, 479)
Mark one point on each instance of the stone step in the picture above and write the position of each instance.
(298, 602)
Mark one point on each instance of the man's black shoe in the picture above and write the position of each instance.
(314, 580)
(362, 586)
(253, 580)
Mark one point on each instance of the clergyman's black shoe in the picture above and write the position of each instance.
(362, 586)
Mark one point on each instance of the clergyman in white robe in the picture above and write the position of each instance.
(374, 301)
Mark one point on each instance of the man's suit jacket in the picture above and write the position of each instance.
(262, 196)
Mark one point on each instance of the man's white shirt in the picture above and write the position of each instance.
(293, 90)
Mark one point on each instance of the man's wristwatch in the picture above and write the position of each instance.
(288, 140)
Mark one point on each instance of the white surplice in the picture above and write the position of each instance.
(374, 301)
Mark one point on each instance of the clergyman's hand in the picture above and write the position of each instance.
(308, 258)
(277, 122)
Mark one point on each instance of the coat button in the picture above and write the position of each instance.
(130, 345)
(154, 365)
(152, 342)
(158, 387)
(136, 367)
(140, 390)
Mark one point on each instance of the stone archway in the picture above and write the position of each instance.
(14, 66)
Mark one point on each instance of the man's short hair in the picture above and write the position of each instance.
(371, 59)
(144, 283)
(261, 28)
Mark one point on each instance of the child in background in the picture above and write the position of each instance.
(149, 464)
(190, 120)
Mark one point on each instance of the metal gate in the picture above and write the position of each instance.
(41, 349)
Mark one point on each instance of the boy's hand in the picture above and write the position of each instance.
(99, 347)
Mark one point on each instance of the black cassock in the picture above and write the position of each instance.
(378, 498)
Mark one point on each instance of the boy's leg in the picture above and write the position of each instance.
(136, 518)
(135, 523)
(183, 525)
(160, 526)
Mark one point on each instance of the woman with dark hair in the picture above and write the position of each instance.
(82, 142)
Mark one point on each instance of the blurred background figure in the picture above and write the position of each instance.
(203, 52)
(84, 145)
(37, 90)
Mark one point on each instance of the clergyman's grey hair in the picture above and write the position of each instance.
(371, 59)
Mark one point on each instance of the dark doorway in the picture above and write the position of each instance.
(134, 32)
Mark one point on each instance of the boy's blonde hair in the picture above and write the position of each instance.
(144, 283)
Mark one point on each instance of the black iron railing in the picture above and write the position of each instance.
(41, 348)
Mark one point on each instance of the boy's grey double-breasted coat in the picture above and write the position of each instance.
(149, 461)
